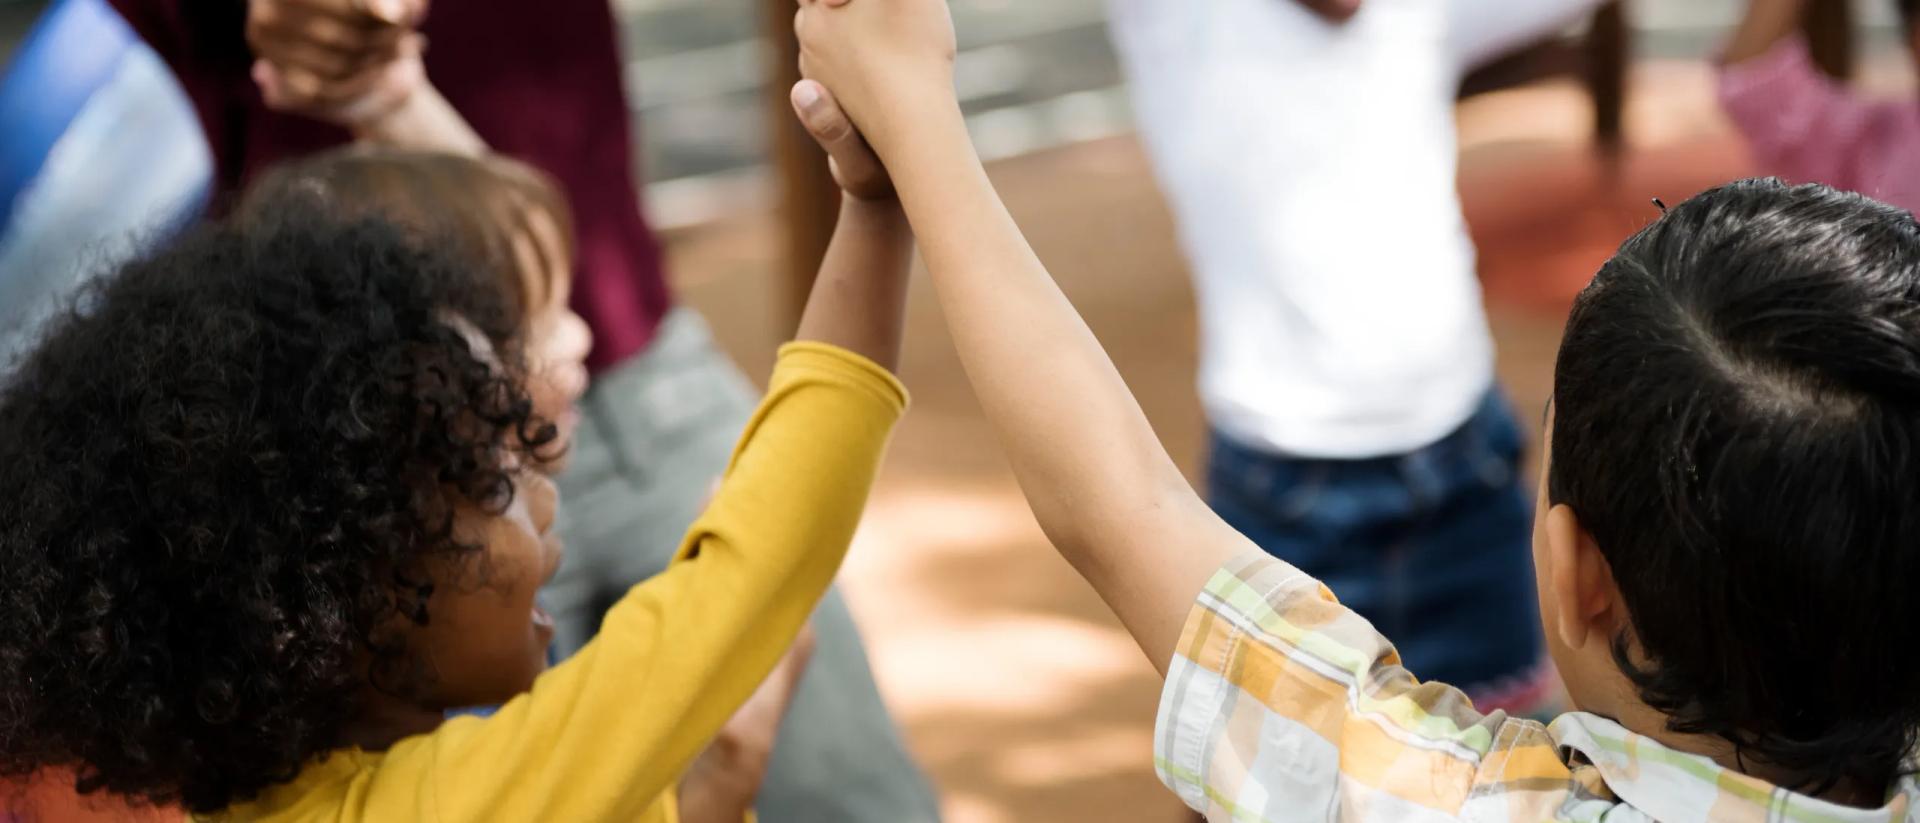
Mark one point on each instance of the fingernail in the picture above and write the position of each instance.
(806, 96)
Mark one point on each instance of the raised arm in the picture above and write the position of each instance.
(1767, 23)
(860, 292)
(621, 721)
(356, 64)
(1099, 482)
(392, 103)
(425, 121)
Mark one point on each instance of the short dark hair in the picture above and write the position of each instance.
(225, 472)
(1737, 423)
(1909, 10)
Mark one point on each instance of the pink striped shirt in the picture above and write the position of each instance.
(1808, 128)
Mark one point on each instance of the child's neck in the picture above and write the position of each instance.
(1637, 717)
(385, 720)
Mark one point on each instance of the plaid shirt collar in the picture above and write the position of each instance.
(1281, 704)
(1665, 784)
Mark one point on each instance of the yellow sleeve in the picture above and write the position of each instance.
(605, 734)
(665, 808)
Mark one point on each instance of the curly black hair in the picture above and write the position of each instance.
(224, 471)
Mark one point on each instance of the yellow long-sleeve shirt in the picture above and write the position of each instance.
(606, 735)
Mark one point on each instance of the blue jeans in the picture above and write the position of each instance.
(1434, 546)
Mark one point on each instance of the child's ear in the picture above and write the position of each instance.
(1580, 580)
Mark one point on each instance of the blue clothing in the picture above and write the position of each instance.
(1433, 547)
(77, 196)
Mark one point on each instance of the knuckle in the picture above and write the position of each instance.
(834, 130)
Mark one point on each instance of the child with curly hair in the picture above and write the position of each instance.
(653, 430)
(510, 221)
(277, 505)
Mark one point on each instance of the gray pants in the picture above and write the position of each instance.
(654, 434)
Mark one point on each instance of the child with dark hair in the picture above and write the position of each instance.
(1810, 128)
(277, 505)
(1724, 540)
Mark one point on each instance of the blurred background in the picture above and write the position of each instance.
(1016, 688)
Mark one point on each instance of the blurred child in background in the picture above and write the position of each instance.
(1808, 127)
(1357, 429)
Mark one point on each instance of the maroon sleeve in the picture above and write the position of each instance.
(204, 42)
(539, 81)
(543, 82)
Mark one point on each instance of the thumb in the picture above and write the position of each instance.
(830, 127)
(821, 114)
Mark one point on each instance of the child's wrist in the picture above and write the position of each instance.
(423, 120)
(912, 114)
(389, 125)
(882, 221)
(877, 212)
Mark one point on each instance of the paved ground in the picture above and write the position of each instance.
(1017, 689)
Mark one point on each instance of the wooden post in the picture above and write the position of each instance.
(809, 199)
(1607, 60)
(1829, 27)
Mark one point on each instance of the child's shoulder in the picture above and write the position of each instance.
(321, 790)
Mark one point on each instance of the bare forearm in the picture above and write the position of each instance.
(1097, 477)
(1766, 24)
(859, 297)
(427, 122)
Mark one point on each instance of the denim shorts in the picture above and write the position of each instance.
(1433, 547)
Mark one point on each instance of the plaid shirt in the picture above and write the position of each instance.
(1281, 704)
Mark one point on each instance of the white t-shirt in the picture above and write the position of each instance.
(1311, 166)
